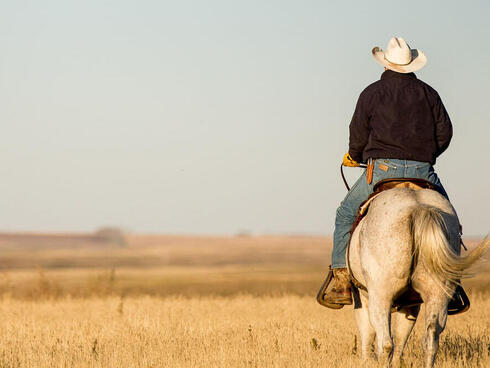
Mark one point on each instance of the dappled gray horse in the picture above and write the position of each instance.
(408, 239)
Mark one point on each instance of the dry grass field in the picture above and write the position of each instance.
(171, 301)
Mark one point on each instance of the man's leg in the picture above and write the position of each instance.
(345, 217)
(339, 290)
(427, 172)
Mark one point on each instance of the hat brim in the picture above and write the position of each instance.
(418, 61)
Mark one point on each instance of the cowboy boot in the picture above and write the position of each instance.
(338, 291)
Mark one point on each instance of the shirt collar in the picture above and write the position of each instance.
(388, 74)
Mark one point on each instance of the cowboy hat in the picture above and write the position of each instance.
(399, 57)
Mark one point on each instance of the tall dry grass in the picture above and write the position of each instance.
(239, 331)
(168, 301)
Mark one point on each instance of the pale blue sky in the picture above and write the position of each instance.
(217, 116)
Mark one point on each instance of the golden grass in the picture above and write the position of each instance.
(239, 331)
(163, 281)
(256, 280)
(169, 301)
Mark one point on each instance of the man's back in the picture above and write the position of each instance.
(400, 117)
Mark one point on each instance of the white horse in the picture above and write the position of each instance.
(409, 238)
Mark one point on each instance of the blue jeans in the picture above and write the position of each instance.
(347, 211)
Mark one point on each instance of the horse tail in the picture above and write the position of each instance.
(433, 250)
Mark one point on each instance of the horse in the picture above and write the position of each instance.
(409, 239)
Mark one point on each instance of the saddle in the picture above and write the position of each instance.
(382, 185)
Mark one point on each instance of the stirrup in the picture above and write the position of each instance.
(460, 302)
(323, 289)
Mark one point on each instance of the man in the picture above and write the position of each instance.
(401, 126)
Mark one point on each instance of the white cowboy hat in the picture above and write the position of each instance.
(399, 57)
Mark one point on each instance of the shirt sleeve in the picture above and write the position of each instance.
(359, 129)
(443, 126)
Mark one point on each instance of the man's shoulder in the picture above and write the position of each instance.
(382, 84)
(371, 89)
(427, 86)
(431, 92)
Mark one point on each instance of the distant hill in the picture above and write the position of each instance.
(102, 238)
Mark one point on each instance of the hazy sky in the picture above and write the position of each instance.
(217, 116)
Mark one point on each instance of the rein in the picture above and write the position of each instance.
(343, 177)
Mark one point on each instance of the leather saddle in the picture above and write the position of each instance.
(382, 185)
(412, 183)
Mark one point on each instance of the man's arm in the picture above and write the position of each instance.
(444, 128)
(359, 129)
